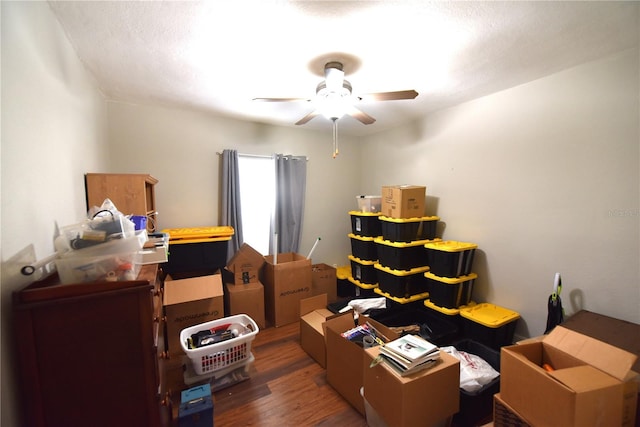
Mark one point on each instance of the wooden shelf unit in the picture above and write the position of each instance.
(132, 194)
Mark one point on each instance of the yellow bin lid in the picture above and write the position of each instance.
(363, 238)
(416, 270)
(489, 315)
(447, 311)
(199, 234)
(360, 213)
(402, 245)
(361, 261)
(362, 285)
(451, 280)
(403, 220)
(450, 246)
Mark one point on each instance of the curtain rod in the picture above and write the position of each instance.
(260, 156)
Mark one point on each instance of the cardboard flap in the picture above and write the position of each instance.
(192, 289)
(307, 305)
(583, 378)
(612, 360)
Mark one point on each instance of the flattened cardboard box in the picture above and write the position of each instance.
(245, 265)
(313, 315)
(245, 299)
(344, 358)
(285, 284)
(188, 302)
(585, 388)
(403, 201)
(324, 281)
(426, 398)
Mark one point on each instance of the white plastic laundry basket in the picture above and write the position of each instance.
(224, 354)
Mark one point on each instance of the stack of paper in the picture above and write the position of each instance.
(410, 354)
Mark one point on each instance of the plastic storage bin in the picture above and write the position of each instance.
(450, 258)
(214, 357)
(432, 328)
(450, 292)
(203, 250)
(408, 229)
(449, 314)
(489, 324)
(369, 203)
(365, 224)
(363, 271)
(110, 267)
(476, 407)
(363, 248)
(400, 283)
(401, 255)
(361, 289)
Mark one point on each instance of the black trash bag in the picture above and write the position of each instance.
(555, 312)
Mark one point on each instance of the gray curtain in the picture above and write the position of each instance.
(231, 213)
(291, 181)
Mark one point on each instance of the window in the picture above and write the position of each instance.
(257, 199)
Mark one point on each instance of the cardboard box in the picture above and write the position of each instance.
(313, 315)
(403, 201)
(504, 415)
(324, 281)
(586, 387)
(245, 265)
(245, 299)
(188, 302)
(344, 358)
(285, 284)
(426, 398)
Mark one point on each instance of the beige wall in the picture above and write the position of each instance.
(180, 149)
(545, 178)
(53, 129)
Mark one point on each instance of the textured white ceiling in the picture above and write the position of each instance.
(217, 55)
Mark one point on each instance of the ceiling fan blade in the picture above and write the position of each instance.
(360, 115)
(389, 96)
(308, 117)
(280, 99)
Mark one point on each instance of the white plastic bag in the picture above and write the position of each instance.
(475, 372)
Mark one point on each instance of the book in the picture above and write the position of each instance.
(409, 354)
(402, 371)
(411, 347)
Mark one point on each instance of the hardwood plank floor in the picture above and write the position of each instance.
(286, 387)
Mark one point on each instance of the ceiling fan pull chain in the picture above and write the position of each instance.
(335, 137)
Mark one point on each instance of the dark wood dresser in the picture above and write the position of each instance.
(91, 354)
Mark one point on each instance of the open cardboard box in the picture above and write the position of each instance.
(313, 315)
(426, 398)
(344, 358)
(245, 265)
(188, 302)
(285, 283)
(585, 388)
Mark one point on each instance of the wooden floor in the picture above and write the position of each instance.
(286, 387)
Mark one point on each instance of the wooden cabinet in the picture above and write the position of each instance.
(90, 354)
(133, 194)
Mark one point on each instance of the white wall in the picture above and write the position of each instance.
(545, 178)
(180, 147)
(53, 130)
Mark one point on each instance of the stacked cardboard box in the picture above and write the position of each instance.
(244, 294)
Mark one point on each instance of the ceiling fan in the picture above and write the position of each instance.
(334, 97)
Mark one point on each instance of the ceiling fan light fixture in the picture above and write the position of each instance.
(333, 104)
